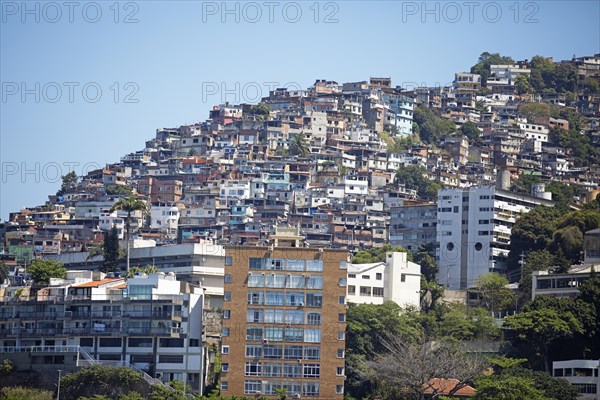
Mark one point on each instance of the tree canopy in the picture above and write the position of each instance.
(413, 178)
(42, 270)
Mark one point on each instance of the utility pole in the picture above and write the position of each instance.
(58, 390)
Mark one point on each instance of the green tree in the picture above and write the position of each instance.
(486, 60)
(367, 324)
(4, 272)
(129, 204)
(522, 84)
(431, 128)
(506, 369)
(299, 146)
(261, 111)
(377, 254)
(472, 132)
(42, 270)
(119, 190)
(6, 367)
(23, 393)
(537, 330)
(507, 387)
(495, 294)
(111, 251)
(568, 242)
(537, 260)
(533, 231)
(69, 183)
(103, 380)
(176, 391)
(413, 178)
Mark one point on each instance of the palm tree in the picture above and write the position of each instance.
(298, 145)
(129, 204)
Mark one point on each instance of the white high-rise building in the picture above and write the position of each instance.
(473, 231)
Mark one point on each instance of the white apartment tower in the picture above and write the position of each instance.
(473, 231)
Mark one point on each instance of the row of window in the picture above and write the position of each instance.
(280, 316)
(378, 276)
(281, 264)
(368, 291)
(138, 342)
(272, 298)
(278, 370)
(277, 334)
(281, 352)
(256, 280)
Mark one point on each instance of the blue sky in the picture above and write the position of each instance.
(152, 64)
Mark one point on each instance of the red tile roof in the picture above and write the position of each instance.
(445, 386)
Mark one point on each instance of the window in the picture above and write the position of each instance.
(225, 332)
(292, 370)
(366, 277)
(225, 349)
(256, 280)
(253, 369)
(341, 317)
(379, 276)
(294, 317)
(342, 282)
(343, 265)
(365, 291)
(351, 289)
(274, 298)
(293, 353)
(226, 314)
(340, 353)
(339, 389)
(224, 384)
(253, 351)
(254, 315)
(311, 371)
(342, 300)
(341, 335)
(170, 358)
(313, 318)
(252, 387)
(314, 265)
(351, 275)
(227, 296)
(276, 264)
(272, 370)
(310, 389)
(312, 335)
(225, 367)
(273, 351)
(228, 260)
(254, 333)
(295, 281)
(295, 264)
(254, 297)
(377, 292)
(314, 299)
(293, 334)
(273, 316)
(294, 299)
(314, 282)
(256, 264)
(273, 334)
(312, 353)
(227, 278)
(275, 281)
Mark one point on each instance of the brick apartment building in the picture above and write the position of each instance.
(284, 319)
